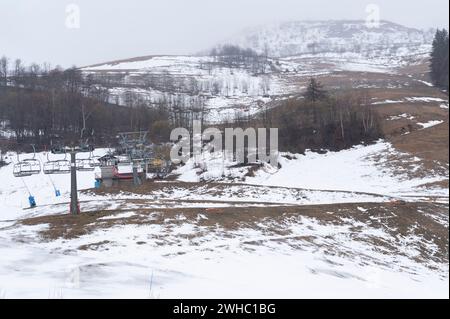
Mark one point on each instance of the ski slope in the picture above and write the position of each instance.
(173, 243)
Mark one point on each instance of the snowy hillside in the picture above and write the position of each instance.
(300, 50)
(359, 169)
(312, 37)
(187, 80)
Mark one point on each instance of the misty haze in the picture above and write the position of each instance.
(135, 140)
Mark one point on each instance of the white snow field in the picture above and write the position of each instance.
(146, 253)
(359, 169)
(220, 264)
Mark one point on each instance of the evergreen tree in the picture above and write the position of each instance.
(439, 59)
(315, 91)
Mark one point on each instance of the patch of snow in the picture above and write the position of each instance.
(426, 83)
(188, 260)
(388, 102)
(359, 169)
(430, 124)
(401, 116)
(356, 169)
(425, 99)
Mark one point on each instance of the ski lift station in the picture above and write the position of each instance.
(134, 159)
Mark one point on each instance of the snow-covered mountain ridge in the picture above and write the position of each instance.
(311, 37)
(296, 50)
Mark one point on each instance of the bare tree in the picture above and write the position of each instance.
(4, 62)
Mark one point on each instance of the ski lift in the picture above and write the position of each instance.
(31, 199)
(95, 160)
(27, 167)
(57, 166)
(85, 164)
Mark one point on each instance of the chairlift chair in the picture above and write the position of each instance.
(57, 166)
(95, 160)
(85, 164)
(27, 167)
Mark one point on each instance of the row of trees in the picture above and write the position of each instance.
(43, 105)
(321, 120)
(439, 59)
(233, 56)
(193, 86)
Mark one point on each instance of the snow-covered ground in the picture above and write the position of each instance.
(359, 223)
(413, 99)
(401, 116)
(188, 260)
(148, 253)
(360, 174)
(360, 169)
(430, 123)
(358, 62)
(14, 191)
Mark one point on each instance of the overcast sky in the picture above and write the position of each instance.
(37, 31)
